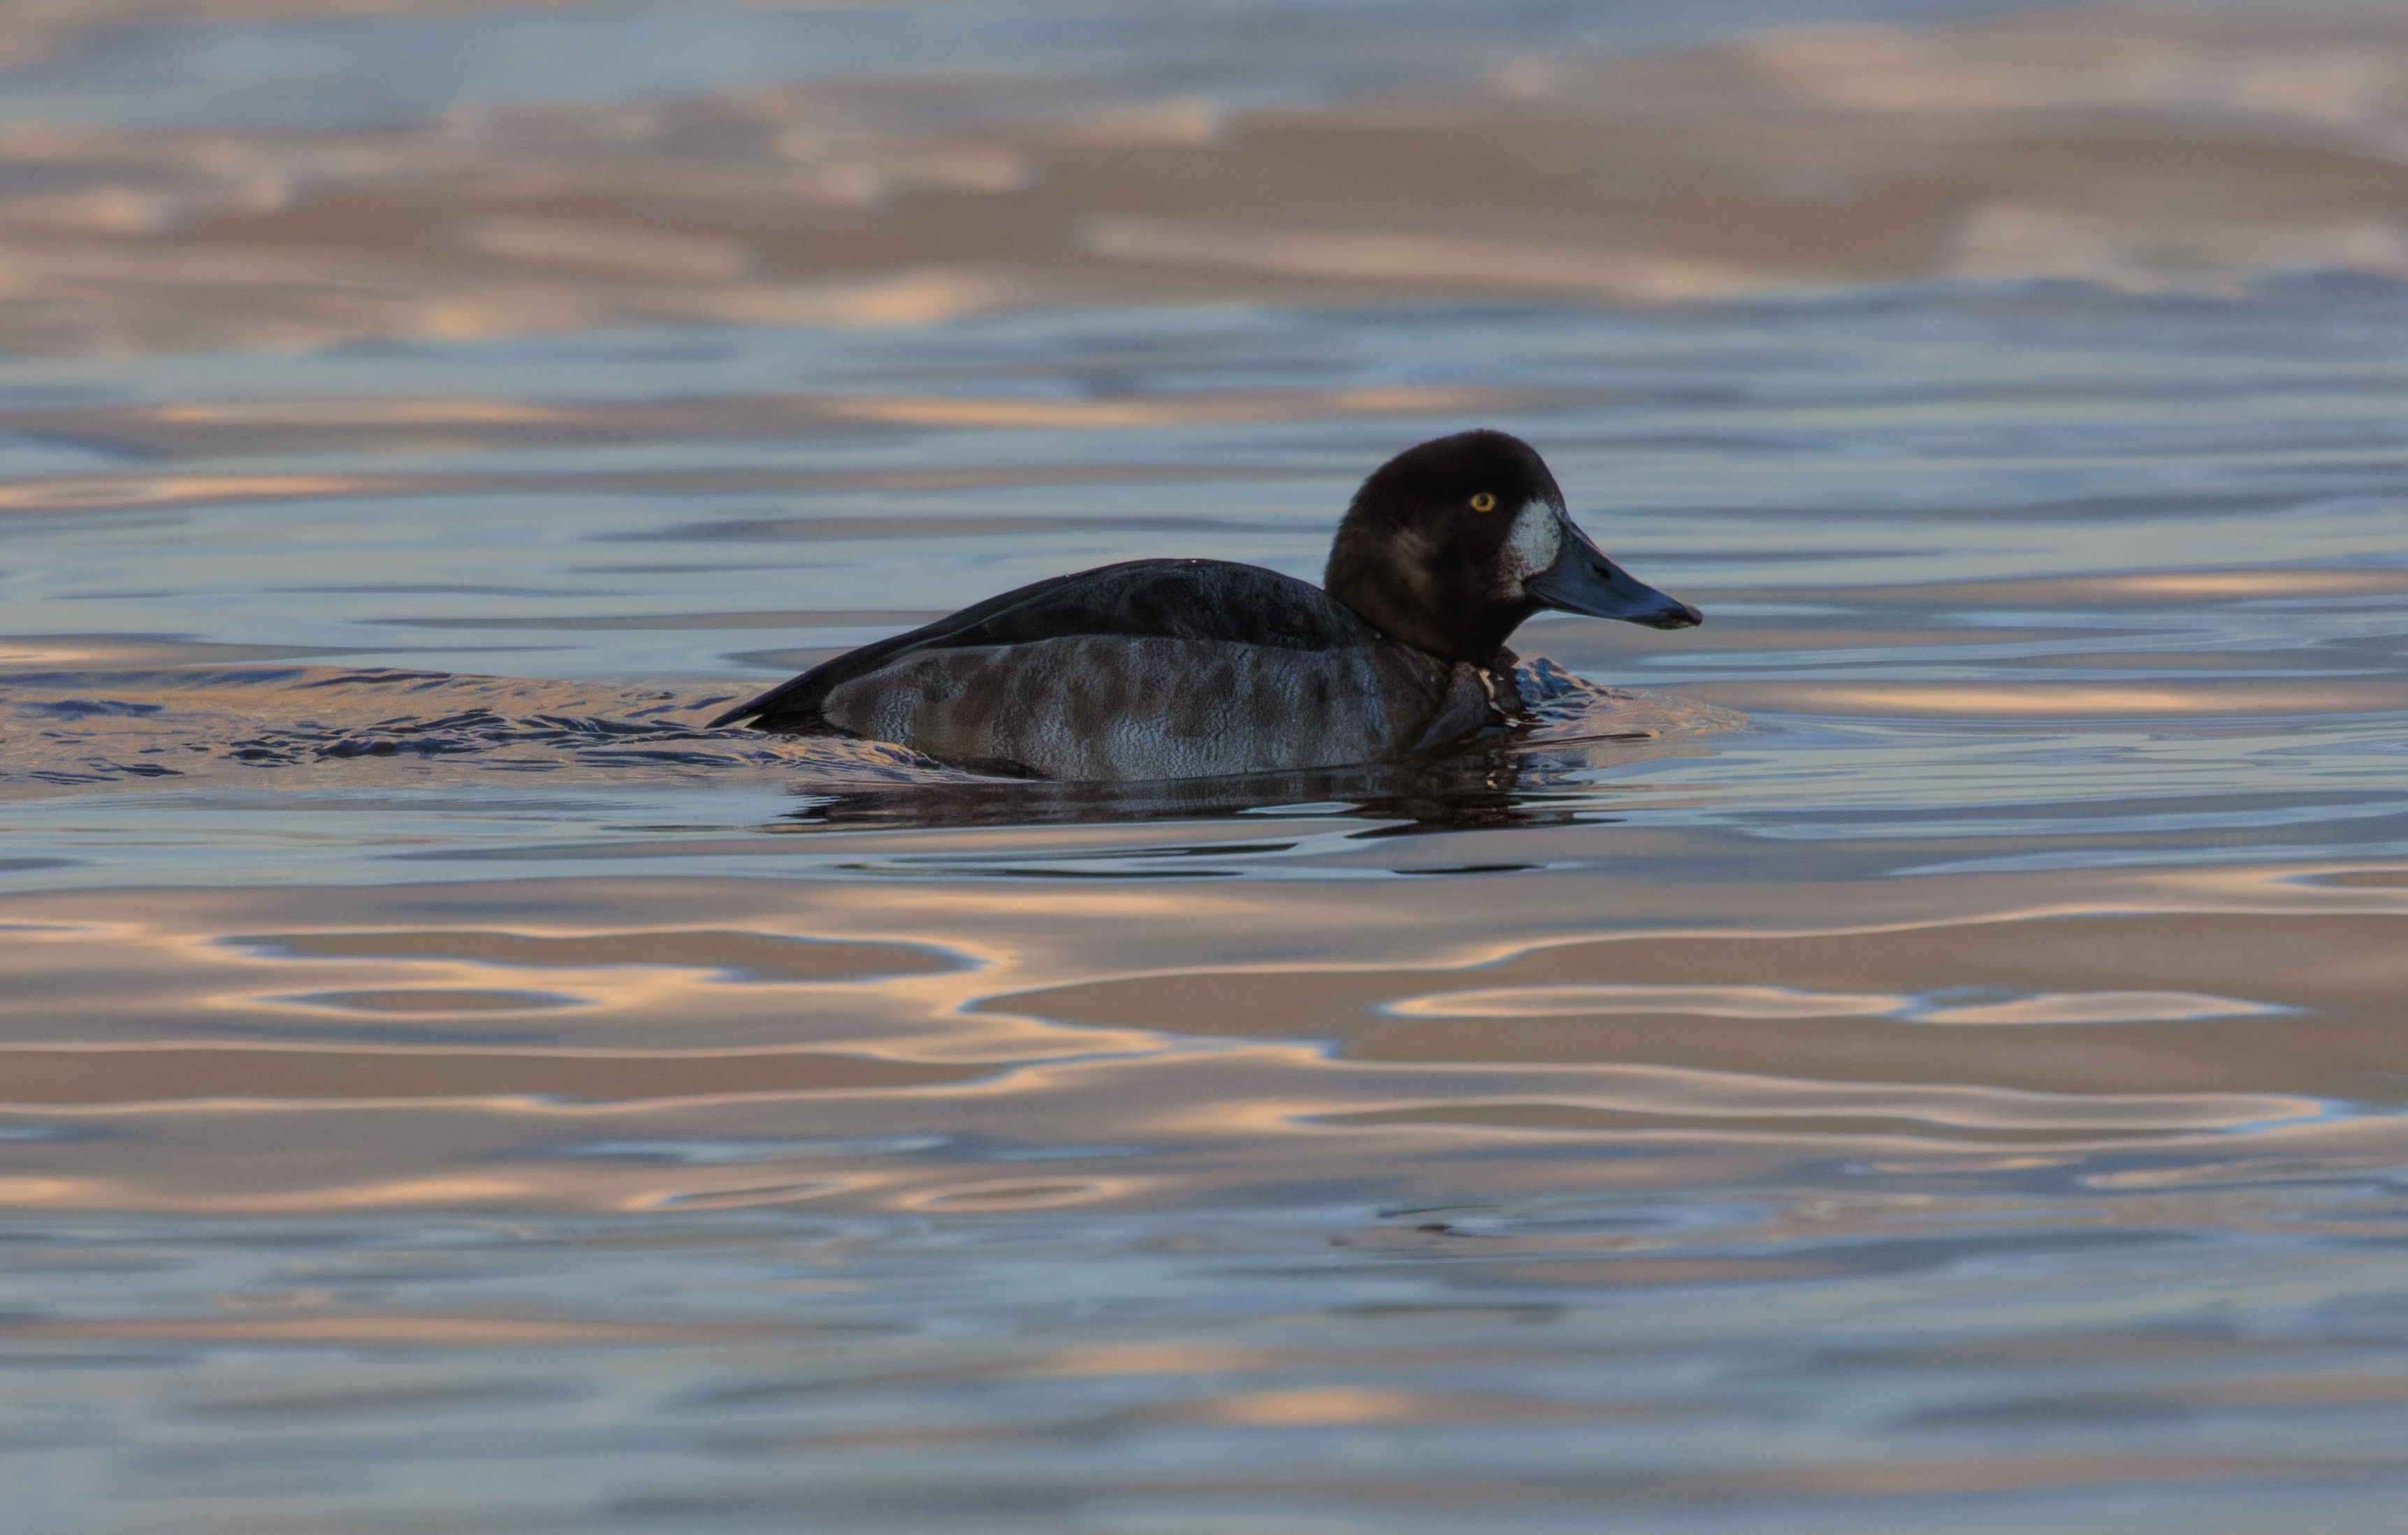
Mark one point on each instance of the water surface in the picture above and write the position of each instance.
(1920, 1052)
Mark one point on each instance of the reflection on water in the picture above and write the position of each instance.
(722, 164)
(1922, 1050)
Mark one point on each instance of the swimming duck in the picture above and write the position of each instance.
(1180, 669)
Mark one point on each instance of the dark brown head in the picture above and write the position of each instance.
(1449, 546)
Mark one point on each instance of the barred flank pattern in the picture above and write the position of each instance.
(1110, 707)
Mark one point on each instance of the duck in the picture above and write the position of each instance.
(1176, 668)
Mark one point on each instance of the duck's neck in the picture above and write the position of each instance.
(1448, 618)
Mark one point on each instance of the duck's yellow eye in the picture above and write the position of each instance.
(1483, 502)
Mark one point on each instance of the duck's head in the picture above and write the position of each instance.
(1450, 545)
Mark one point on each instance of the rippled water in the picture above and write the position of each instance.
(1920, 1052)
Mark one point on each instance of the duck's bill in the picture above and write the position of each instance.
(1584, 581)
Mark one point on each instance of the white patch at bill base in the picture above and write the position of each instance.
(1537, 539)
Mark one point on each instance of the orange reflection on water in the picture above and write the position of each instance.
(2136, 146)
(851, 1044)
(106, 490)
(1438, 260)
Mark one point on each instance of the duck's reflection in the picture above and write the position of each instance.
(1494, 783)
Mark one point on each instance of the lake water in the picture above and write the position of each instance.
(1921, 1052)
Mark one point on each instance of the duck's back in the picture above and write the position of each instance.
(1157, 668)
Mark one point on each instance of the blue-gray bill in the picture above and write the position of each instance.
(1584, 581)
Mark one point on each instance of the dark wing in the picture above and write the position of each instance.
(1163, 599)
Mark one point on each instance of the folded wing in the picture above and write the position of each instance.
(1207, 601)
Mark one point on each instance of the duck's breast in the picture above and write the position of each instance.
(1115, 707)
